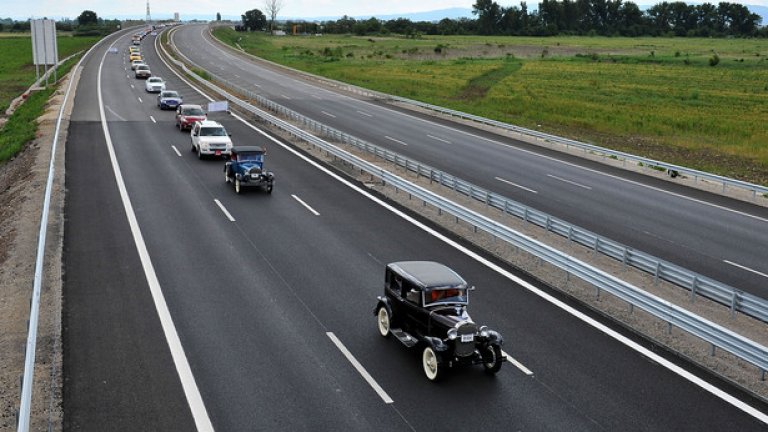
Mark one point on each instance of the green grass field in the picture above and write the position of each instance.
(17, 72)
(656, 97)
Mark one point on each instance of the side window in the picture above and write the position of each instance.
(412, 294)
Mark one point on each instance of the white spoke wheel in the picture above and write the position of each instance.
(383, 321)
(492, 358)
(432, 367)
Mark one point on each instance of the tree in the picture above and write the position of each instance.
(218, 16)
(254, 19)
(273, 8)
(488, 16)
(88, 17)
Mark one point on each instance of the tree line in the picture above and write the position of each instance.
(87, 23)
(553, 17)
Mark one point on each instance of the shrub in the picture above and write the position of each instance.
(714, 60)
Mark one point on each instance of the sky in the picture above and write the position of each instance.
(58, 9)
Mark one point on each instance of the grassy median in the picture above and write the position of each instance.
(692, 101)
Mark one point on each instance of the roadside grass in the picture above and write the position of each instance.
(21, 127)
(17, 72)
(655, 97)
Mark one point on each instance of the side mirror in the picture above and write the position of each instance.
(472, 288)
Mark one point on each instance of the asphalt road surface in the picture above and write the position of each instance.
(260, 291)
(718, 237)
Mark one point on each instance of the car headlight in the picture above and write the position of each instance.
(452, 333)
(483, 331)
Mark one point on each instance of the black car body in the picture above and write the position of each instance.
(425, 305)
(245, 168)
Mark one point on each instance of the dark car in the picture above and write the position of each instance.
(425, 306)
(168, 99)
(245, 168)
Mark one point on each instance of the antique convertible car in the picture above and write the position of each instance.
(425, 306)
(245, 168)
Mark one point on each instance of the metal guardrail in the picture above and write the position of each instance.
(587, 148)
(706, 330)
(736, 300)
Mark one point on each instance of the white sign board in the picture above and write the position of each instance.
(44, 48)
(218, 106)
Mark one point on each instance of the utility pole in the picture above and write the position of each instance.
(149, 17)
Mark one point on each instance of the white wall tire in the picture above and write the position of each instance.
(238, 189)
(492, 359)
(431, 363)
(383, 321)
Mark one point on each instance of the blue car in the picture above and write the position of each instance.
(245, 168)
(168, 99)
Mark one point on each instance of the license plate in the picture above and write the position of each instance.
(218, 152)
(467, 337)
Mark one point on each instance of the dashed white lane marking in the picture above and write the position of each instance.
(746, 268)
(363, 113)
(285, 97)
(176, 150)
(256, 85)
(306, 205)
(224, 210)
(153, 119)
(132, 86)
(438, 139)
(316, 96)
(515, 185)
(517, 364)
(360, 369)
(395, 140)
(569, 181)
(140, 101)
(328, 114)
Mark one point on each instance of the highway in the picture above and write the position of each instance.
(188, 306)
(715, 236)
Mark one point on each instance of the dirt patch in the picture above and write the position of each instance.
(22, 188)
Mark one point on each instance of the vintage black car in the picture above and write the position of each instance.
(245, 168)
(425, 306)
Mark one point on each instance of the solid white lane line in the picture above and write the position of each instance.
(306, 205)
(517, 364)
(363, 113)
(395, 140)
(438, 139)
(360, 369)
(661, 361)
(328, 114)
(746, 268)
(153, 119)
(176, 150)
(140, 101)
(515, 185)
(224, 210)
(187, 379)
(569, 181)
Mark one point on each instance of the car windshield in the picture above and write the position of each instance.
(142, 67)
(213, 131)
(193, 112)
(170, 94)
(155, 80)
(445, 295)
(250, 157)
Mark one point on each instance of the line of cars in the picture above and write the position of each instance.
(244, 166)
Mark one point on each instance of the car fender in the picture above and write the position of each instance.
(495, 338)
(436, 343)
(383, 301)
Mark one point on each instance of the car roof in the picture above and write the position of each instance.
(428, 274)
(190, 106)
(209, 123)
(241, 149)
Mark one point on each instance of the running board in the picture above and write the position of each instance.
(404, 337)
